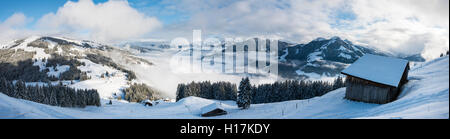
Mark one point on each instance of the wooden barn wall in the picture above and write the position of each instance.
(404, 79)
(366, 91)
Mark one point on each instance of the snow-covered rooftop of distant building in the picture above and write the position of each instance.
(211, 107)
(379, 69)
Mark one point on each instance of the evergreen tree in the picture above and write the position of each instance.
(140, 92)
(218, 90)
(244, 94)
(180, 91)
(338, 83)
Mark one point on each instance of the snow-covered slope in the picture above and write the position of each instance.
(58, 56)
(425, 96)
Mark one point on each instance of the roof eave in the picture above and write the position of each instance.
(369, 80)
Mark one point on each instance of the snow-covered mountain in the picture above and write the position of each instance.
(84, 64)
(425, 96)
(145, 46)
(322, 58)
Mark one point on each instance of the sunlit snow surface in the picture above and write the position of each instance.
(425, 96)
(107, 86)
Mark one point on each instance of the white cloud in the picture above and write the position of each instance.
(111, 21)
(14, 27)
(296, 20)
(401, 26)
(16, 20)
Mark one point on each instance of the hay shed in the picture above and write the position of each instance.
(376, 79)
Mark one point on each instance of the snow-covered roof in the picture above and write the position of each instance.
(211, 107)
(379, 69)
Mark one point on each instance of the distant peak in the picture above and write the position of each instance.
(319, 39)
(335, 38)
(323, 39)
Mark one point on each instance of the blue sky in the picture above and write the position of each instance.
(35, 9)
(31, 8)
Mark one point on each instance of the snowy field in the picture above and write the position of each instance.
(425, 96)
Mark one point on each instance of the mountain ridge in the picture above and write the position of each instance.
(39, 60)
(325, 57)
(320, 58)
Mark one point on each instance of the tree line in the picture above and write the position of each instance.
(293, 90)
(265, 93)
(208, 90)
(140, 92)
(55, 95)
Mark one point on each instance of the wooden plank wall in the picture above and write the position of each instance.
(366, 91)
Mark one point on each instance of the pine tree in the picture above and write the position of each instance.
(244, 94)
(338, 83)
(181, 89)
